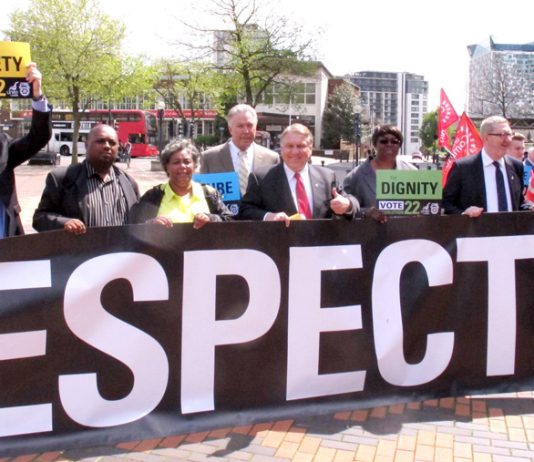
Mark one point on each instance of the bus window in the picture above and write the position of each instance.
(136, 138)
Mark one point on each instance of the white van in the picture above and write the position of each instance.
(61, 141)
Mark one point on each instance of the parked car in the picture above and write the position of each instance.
(45, 157)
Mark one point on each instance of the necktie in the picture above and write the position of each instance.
(243, 172)
(302, 197)
(501, 191)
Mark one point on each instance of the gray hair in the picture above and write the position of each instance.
(178, 145)
(487, 124)
(239, 109)
(301, 130)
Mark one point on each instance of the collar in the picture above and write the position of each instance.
(487, 160)
(196, 191)
(91, 172)
(234, 150)
(290, 173)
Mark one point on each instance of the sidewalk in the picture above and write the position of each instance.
(492, 428)
(496, 428)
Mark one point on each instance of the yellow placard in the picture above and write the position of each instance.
(14, 57)
(296, 216)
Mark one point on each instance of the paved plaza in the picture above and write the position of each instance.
(489, 428)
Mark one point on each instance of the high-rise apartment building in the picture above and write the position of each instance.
(396, 98)
(501, 79)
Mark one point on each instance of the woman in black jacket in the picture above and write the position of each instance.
(180, 200)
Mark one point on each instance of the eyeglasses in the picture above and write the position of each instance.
(502, 135)
(388, 141)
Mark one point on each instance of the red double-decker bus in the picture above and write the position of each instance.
(136, 126)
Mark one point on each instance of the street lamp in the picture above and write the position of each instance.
(357, 138)
(160, 107)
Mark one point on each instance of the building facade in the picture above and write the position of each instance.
(396, 98)
(501, 79)
(302, 99)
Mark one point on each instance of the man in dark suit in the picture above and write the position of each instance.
(487, 181)
(14, 152)
(295, 189)
(240, 153)
(93, 193)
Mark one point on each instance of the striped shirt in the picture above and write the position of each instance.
(106, 202)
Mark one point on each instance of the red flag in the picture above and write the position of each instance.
(529, 196)
(447, 116)
(466, 142)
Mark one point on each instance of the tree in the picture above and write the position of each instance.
(76, 47)
(194, 86)
(429, 131)
(128, 77)
(339, 117)
(501, 88)
(253, 50)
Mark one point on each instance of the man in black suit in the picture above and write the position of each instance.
(295, 189)
(91, 194)
(487, 181)
(14, 152)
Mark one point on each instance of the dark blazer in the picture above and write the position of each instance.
(269, 191)
(218, 159)
(148, 206)
(14, 152)
(466, 187)
(65, 196)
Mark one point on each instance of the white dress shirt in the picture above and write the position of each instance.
(305, 177)
(492, 201)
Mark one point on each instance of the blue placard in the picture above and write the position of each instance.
(226, 183)
(526, 175)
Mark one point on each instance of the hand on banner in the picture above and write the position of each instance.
(473, 211)
(200, 220)
(279, 216)
(340, 205)
(163, 221)
(75, 226)
(376, 215)
(33, 76)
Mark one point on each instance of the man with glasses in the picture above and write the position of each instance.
(487, 181)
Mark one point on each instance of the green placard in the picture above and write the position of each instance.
(409, 192)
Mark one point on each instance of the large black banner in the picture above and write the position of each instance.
(141, 331)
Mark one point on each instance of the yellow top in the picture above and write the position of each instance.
(182, 209)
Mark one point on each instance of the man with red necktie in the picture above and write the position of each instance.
(295, 189)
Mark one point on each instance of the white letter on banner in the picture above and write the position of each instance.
(21, 420)
(201, 333)
(307, 320)
(500, 252)
(143, 355)
(387, 318)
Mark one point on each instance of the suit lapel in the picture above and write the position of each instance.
(284, 191)
(515, 183)
(226, 159)
(479, 181)
(319, 192)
